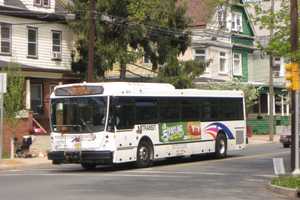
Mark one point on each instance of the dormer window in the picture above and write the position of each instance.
(237, 22)
(42, 3)
(37, 2)
(46, 3)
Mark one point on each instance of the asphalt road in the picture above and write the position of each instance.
(243, 175)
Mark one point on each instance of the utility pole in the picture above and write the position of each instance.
(92, 30)
(271, 85)
(295, 93)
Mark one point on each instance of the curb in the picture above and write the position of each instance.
(291, 193)
(21, 165)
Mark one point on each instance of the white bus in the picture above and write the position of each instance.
(106, 123)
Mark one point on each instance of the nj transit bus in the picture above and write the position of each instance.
(108, 123)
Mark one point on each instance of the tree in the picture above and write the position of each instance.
(180, 73)
(251, 92)
(279, 21)
(13, 98)
(129, 29)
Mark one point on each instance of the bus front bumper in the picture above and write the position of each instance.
(95, 157)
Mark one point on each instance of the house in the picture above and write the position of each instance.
(34, 35)
(223, 36)
(259, 70)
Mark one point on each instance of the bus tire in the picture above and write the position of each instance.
(88, 166)
(221, 146)
(144, 154)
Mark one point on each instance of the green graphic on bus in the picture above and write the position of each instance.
(179, 131)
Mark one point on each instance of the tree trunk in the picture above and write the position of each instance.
(122, 71)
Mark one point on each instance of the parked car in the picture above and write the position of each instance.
(286, 140)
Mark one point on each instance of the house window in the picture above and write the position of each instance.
(37, 2)
(237, 64)
(36, 97)
(42, 3)
(56, 45)
(32, 42)
(223, 63)
(5, 38)
(46, 3)
(237, 22)
(200, 55)
(221, 16)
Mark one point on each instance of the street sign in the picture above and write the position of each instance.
(3, 83)
(279, 168)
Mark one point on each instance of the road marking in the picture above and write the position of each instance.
(15, 170)
(255, 180)
(179, 172)
(266, 176)
(223, 160)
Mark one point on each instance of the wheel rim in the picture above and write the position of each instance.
(222, 147)
(144, 153)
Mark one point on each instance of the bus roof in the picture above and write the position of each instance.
(146, 89)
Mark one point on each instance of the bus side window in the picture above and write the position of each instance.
(169, 110)
(125, 113)
(146, 110)
(190, 110)
(206, 110)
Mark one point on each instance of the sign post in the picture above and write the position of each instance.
(3, 81)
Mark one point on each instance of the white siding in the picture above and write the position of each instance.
(30, 6)
(20, 38)
(212, 55)
(213, 68)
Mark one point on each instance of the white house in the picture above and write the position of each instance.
(35, 36)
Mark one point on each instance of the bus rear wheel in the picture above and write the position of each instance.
(144, 155)
(88, 166)
(221, 146)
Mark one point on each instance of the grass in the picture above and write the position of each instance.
(287, 181)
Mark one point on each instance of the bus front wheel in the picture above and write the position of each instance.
(221, 146)
(144, 155)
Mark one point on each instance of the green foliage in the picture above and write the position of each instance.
(180, 73)
(287, 181)
(14, 96)
(251, 92)
(279, 44)
(128, 29)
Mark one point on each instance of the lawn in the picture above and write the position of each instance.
(287, 181)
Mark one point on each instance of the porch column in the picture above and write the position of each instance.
(274, 106)
(268, 104)
(282, 105)
(28, 94)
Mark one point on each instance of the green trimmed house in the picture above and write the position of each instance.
(258, 74)
(242, 38)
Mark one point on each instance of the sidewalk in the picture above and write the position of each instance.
(262, 139)
(22, 162)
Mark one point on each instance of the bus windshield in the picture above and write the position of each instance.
(78, 115)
